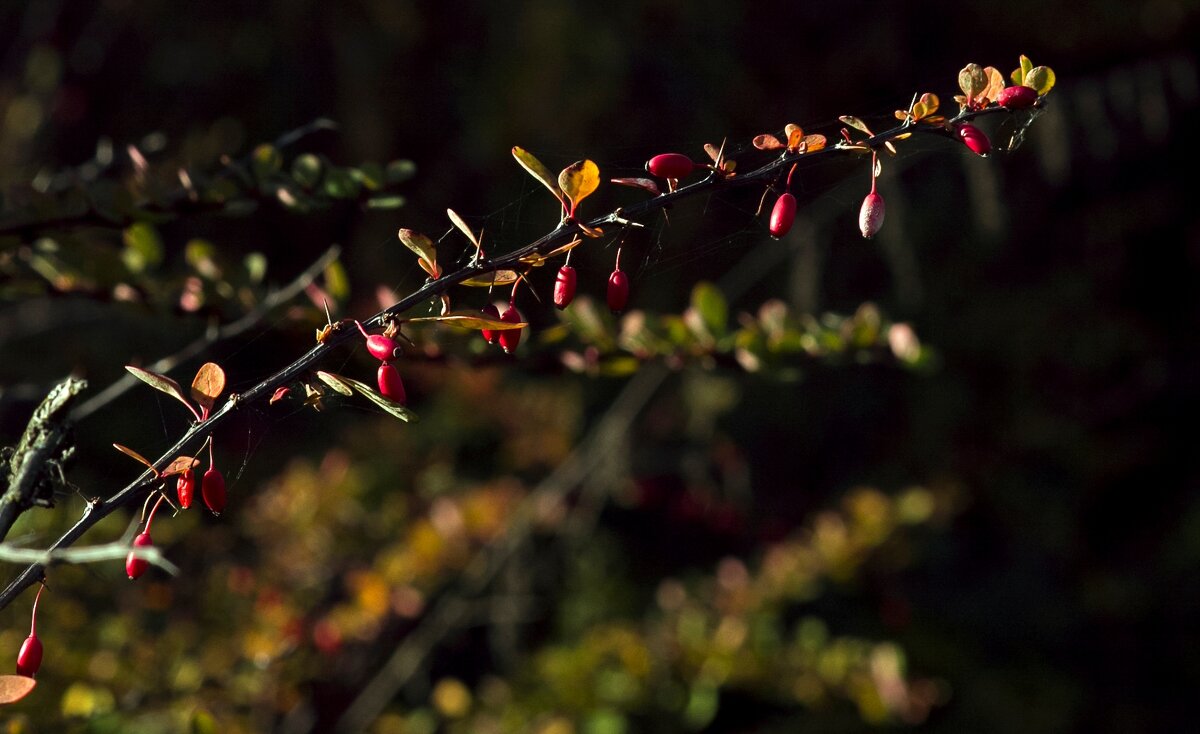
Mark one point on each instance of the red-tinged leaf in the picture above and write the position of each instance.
(280, 394)
(208, 385)
(578, 181)
(162, 383)
(15, 687)
(472, 320)
(813, 143)
(995, 85)
(180, 465)
(135, 456)
(391, 406)
(499, 277)
(766, 142)
(337, 382)
(795, 136)
(638, 183)
(855, 123)
(462, 227)
(424, 248)
(535, 168)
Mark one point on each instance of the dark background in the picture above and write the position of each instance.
(1056, 283)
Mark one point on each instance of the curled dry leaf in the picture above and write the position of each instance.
(337, 382)
(136, 457)
(499, 277)
(472, 320)
(457, 221)
(766, 141)
(638, 183)
(425, 250)
(180, 465)
(162, 383)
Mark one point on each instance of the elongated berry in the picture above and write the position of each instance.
(185, 486)
(670, 165)
(29, 657)
(618, 291)
(564, 286)
(1017, 98)
(390, 383)
(510, 338)
(212, 488)
(491, 311)
(783, 215)
(382, 348)
(135, 566)
(870, 216)
(974, 138)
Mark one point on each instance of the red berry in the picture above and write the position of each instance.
(870, 216)
(782, 215)
(212, 488)
(29, 658)
(382, 348)
(564, 286)
(1017, 98)
(618, 291)
(390, 384)
(510, 338)
(135, 566)
(670, 165)
(491, 311)
(974, 138)
(186, 487)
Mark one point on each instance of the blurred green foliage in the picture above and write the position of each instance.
(1027, 563)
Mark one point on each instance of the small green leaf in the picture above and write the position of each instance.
(266, 161)
(306, 170)
(203, 722)
(340, 184)
(385, 202)
(710, 303)
(256, 266)
(370, 175)
(1041, 79)
(336, 382)
(400, 171)
(972, 80)
(535, 168)
(337, 282)
(143, 247)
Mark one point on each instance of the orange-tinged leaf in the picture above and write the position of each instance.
(424, 248)
(499, 277)
(472, 320)
(995, 84)
(595, 232)
(462, 227)
(795, 135)
(15, 687)
(813, 142)
(162, 383)
(766, 142)
(530, 163)
(638, 183)
(925, 106)
(578, 181)
(208, 385)
(179, 465)
(135, 456)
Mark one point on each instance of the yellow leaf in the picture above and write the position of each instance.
(538, 171)
(500, 277)
(472, 320)
(462, 227)
(1041, 79)
(578, 181)
(424, 248)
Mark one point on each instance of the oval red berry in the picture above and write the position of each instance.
(212, 488)
(870, 216)
(490, 311)
(186, 488)
(975, 139)
(1017, 98)
(783, 215)
(390, 384)
(618, 291)
(135, 566)
(510, 338)
(670, 165)
(382, 348)
(29, 657)
(564, 286)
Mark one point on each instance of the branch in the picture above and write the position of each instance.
(343, 333)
